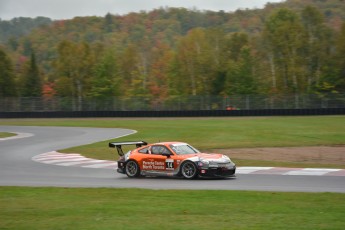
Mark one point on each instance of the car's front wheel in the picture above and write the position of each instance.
(189, 170)
(132, 169)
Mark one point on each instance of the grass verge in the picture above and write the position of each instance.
(3, 134)
(212, 133)
(80, 208)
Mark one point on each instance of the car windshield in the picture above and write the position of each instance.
(181, 149)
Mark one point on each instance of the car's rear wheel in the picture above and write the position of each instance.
(132, 169)
(189, 170)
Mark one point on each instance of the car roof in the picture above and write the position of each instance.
(168, 143)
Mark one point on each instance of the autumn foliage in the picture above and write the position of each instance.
(294, 47)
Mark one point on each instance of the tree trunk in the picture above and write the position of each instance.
(273, 71)
(79, 95)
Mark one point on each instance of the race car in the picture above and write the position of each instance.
(171, 159)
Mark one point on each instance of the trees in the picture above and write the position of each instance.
(158, 71)
(340, 58)
(197, 58)
(284, 36)
(299, 51)
(133, 69)
(240, 75)
(317, 45)
(240, 66)
(73, 67)
(32, 83)
(105, 80)
(333, 72)
(7, 82)
(176, 51)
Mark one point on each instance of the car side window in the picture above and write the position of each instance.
(164, 150)
(144, 150)
(155, 149)
(158, 149)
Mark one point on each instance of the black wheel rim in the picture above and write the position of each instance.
(131, 168)
(188, 170)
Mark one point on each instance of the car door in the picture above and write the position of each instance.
(155, 161)
(169, 158)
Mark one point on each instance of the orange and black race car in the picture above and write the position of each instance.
(171, 159)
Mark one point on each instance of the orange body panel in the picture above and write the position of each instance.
(172, 159)
(160, 162)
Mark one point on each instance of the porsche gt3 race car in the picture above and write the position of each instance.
(171, 159)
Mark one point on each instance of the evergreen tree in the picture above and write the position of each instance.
(108, 23)
(32, 84)
(218, 84)
(7, 82)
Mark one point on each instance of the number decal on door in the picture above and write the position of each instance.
(169, 164)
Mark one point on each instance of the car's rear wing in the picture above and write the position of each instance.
(118, 145)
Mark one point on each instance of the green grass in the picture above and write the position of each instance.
(72, 208)
(3, 134)
(212, 133)
(207, 133)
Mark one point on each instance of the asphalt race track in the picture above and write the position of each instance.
(18, 169)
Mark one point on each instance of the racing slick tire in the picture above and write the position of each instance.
(132, 169)
(189, 170)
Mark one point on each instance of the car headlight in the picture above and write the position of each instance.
(203, 162)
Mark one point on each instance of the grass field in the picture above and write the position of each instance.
(71, 208)
(207, 133)
(213, 133)
(86, 208)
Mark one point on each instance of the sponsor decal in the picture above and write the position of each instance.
(153, 165)
(159, 165)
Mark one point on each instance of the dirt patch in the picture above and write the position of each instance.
(319, 154)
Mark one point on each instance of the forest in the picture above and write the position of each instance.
(288, 48)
